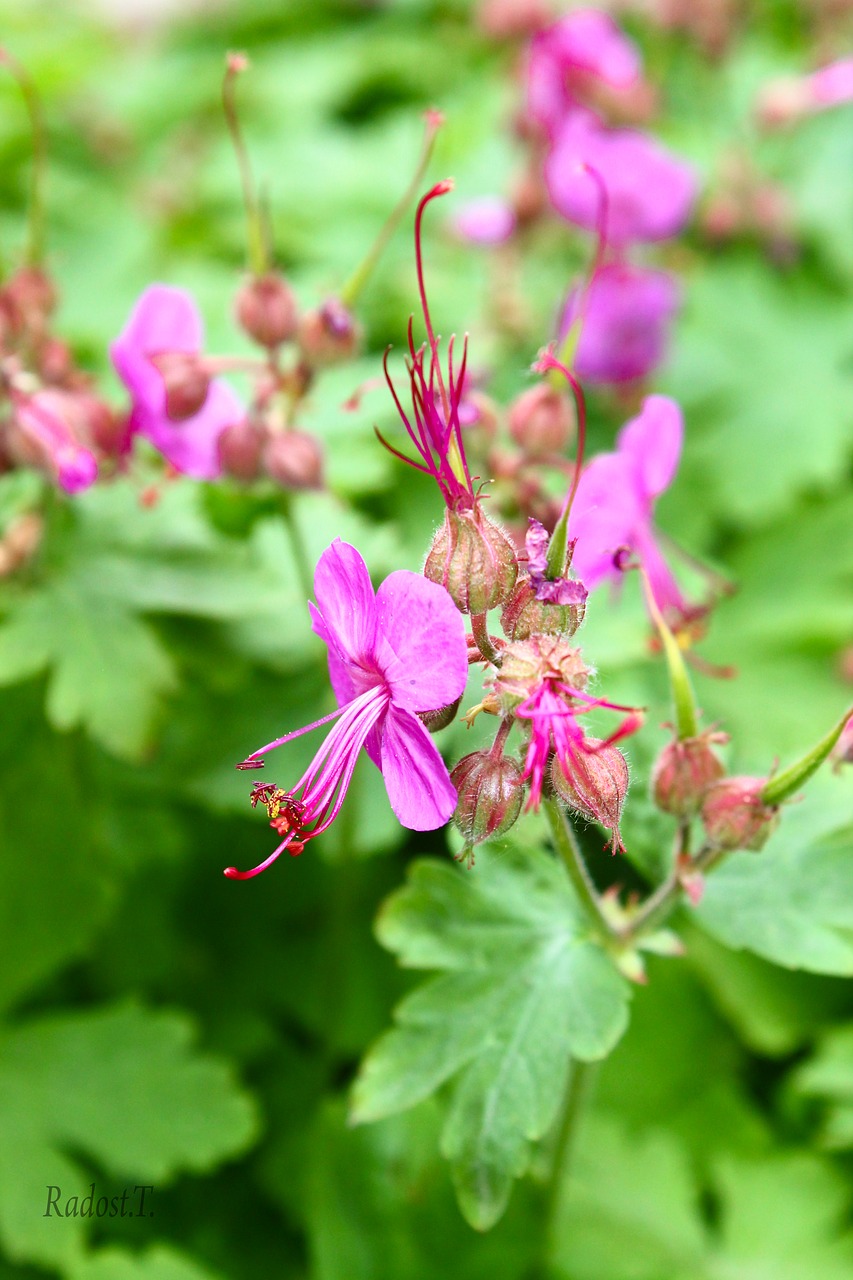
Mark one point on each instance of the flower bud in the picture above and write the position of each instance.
(542, 421)
(524, 615)
(512, 19)
(527, 663)
(328, 334)
(241, 447)
(735, 816)
(473, 560)
(55, 362)
(265, 308)
(294, 460)
(186, 381)
(32, 295)
(434, 721)
(683, 772)
(491, 790)
(596, 785)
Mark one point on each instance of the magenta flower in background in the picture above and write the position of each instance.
(42, 419)
(613, 508)
(165, 319)
(831, 85)
(561, 591)
(626, 313)
(392, 654)
(584, 45)
(650, 193)
(486, 221)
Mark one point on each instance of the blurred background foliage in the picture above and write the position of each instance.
(166, 1026)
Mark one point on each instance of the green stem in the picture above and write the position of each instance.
(235, 64)
(565, 841)
(297, 545)
(480, 629)
(578, 1088)
(659, 906)
(35, 246)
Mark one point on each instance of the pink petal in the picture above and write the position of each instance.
(163, 319)
(427, 635)
(419, 787)
(653, 442)
(192, 446)
(833, 84)
(347, 606)
(488, 220)
(605, 511)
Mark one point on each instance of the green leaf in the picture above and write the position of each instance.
(829, 1076)
(121, 1085)
(793, 902)
(524, 987)
(160, 1262)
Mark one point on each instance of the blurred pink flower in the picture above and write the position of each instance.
(612, 513)
(625, 314)
(164, 320)
(43, 420)
(488, 220)
(832, 85)
(584, 45)
(649, 193)
(392, 654)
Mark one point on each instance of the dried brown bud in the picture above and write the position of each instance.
(186, 380)
(435, 721)
(294, 460)
(473, 559)
(328, 334)
(491, 790)
(735, 816)
(265, 308)
(596, 785)
(684, 771)
(524, 616)
(241, 448)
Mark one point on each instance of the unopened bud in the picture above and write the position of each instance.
(542, 421)
(33, 296)
(266, 309)
(186, 381)
(491, 790)
(55, 361)
(241, 447)
(328, 334)
(512, 19)
(524, 615)
(526, 664)
(294, 460)
(434, 721)
(735, 816)
(473, 560)
(684, 771)
(595, 786)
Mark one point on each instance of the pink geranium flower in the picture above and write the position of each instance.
(392, 654)
(583, 46)
(831, 85)
(612, 513)
(167, 320)
(488, 220)
(625, 315)
(649, 193)
(43, 421)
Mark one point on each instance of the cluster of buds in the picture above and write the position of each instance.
(746, 204)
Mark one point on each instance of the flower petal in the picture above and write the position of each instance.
(346, 603)
(426, 633)
(192, 446)
(163, 319)
(653, 442)
(419, 787)
(606, 509)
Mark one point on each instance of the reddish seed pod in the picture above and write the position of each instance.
(542, 421)
(524, 615)
(186, 381)
(328, 334)
(32, 295)
(473, 559)
(512, 19)
(491, 791)
(241, 447)
(265, 308)
(596, 785)
(294, 460)
(684, 771)
(736, 817)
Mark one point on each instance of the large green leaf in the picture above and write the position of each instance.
(121, 1086)
(828, 1075)
(524, 987)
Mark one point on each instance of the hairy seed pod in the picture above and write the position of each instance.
(474, 560)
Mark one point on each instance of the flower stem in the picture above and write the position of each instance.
(565, 841)
(483, 640)
(297, 545)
